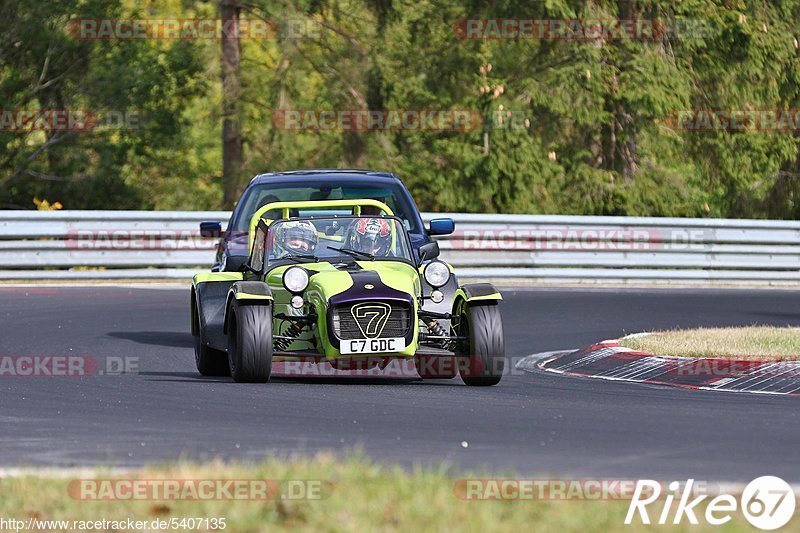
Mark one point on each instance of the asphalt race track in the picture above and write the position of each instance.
(536, 424)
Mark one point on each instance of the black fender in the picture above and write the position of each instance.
(247, 293)
(207, 306)
(476, 294)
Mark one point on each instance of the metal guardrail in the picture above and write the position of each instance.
(540, 248)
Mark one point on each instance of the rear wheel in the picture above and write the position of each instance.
(483, 354)
(250, 342)
(210, 362)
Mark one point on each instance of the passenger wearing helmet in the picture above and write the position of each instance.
(371, 235)
(295, 237)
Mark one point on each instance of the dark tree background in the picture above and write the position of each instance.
(569, 126)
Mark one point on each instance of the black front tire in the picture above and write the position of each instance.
(250, 342)
(483, 362)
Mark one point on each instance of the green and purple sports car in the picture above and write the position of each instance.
(337, 281)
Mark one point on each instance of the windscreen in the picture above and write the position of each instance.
(338, 238)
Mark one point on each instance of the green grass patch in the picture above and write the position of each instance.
(360, 496)
(748, 343)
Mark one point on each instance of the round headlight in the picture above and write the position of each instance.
(295, 279)
(437, 274)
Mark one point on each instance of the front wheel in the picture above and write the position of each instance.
(250, 342)
(483, 353)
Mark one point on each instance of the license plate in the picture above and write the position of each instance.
(373, 346)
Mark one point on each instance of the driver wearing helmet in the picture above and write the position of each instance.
(371, 235)
(295, 237)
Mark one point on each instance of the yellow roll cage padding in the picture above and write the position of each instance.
(286, 207)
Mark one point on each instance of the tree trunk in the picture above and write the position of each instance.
(625, 156)
(232, 140)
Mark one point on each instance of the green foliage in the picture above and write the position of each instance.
(567, 126)
(138, 89)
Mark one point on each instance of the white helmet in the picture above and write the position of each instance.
(296, 236)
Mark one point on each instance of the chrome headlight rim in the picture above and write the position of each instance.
(436, 274)
(295, 279)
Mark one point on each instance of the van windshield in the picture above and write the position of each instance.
(267, 193)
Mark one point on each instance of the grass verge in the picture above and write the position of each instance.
(748, 343)
(360, 496)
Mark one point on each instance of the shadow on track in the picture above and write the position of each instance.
(170, 339)
(191, 377)
(184, 377)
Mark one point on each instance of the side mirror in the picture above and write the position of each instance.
(429, 251)
(210, 229)
(442, 226)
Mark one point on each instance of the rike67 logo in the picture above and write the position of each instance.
(767, 502)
